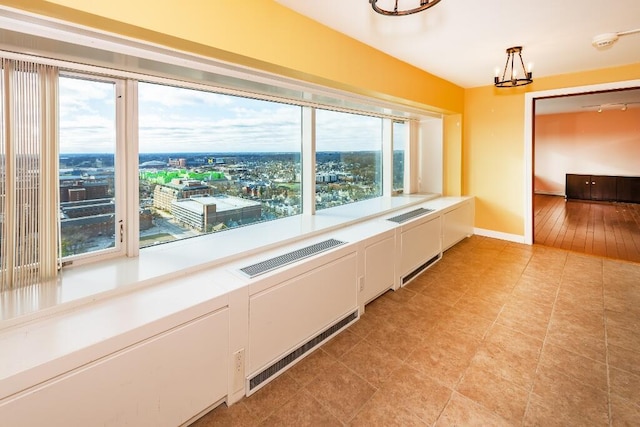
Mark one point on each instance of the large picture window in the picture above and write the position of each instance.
(210, 162)
(348, 158)
(206, 162)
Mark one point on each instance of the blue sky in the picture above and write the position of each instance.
(183, 120)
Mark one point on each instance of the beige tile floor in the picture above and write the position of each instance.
(496, 333)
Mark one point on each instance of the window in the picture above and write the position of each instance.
(348, 158)
(207, 161)
(87, 144)
(210, 161)
(400, 142)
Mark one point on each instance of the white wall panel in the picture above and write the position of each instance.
(162, 381)
(379, 268)
(419, 243)
(458, 224)
(288, 314)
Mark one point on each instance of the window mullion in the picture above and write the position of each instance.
(128, 149)
(387, 157)
(308, 173)
(412, 170)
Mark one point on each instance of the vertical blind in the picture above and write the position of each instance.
(29, 229)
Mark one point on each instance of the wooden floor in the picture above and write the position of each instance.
(600, 228)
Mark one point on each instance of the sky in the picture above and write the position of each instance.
(184, 120)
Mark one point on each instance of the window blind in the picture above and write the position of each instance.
(29, 229)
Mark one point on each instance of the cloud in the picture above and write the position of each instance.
(86, 116)
(183, 120)
(168, 96)
(338, 131)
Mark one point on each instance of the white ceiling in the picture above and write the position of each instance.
(463, 41)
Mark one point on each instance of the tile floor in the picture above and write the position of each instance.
(496, 333)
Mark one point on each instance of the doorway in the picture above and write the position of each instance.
(607, 229)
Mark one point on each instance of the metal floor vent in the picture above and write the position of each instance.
(290, 257)
(409, 215)
(298, 352)
(420, 269)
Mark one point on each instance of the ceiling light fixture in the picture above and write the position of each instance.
(422, 5)
(623, 106)
(510, 73)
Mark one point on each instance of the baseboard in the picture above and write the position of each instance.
(549, 193)
(516, 238)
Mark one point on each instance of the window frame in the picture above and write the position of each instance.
(379, 163)
(134, 173)
(405, 154)
(120, 170)
(309, 98)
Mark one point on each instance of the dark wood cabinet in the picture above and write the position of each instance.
(628, 189)
(603, 188)
(578, 187)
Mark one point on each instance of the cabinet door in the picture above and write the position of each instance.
(162, 381)
(628, 189)
(418, 244)
(379, 271)
(635, 190)
(578, 187)
(603, 188)
(287, 315)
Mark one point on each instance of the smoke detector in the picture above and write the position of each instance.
(603, 41)
(606, 40)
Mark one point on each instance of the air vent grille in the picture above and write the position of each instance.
(420, 269)
(300, 351)
(409, 215)
(290, 257)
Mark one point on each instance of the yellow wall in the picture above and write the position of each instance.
(452, 155)
(493, 145)
(264, 35)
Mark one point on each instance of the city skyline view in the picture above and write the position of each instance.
(206, 161)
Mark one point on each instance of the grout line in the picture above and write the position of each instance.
(606, 348)
(544, 340)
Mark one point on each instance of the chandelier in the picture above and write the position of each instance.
(423, 5)
(512, 69)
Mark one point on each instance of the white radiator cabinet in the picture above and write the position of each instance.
(419, 242)
(288, 314)
(379, 267)
(458, 224)
(162, 381)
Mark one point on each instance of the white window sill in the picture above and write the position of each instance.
(78, 285)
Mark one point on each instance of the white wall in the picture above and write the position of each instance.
(588, 143)
(430, 156)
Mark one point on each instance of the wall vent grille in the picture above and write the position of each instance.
(409, 215)
(300, 351)
(420, 269)
(290, 257)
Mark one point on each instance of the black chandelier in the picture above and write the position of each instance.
(424, 5)
(510, 74)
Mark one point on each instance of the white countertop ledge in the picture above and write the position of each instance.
(89, 282)
(96, 308)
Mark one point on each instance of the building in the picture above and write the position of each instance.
(165, 194)
(74, 189)
(204, 213)
(178, 163)
(485, 158)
